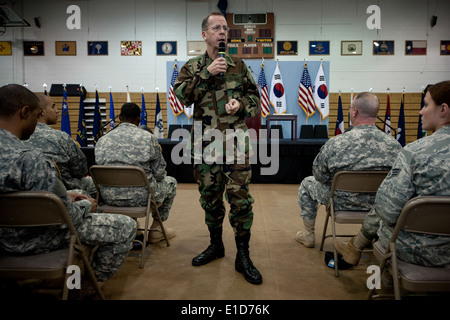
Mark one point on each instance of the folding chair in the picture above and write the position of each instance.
(127, 177)
(349, 181)
(28, 209)
(425, 215)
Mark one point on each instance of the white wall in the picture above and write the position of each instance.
(179, 20)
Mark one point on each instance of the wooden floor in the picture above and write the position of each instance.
(290, 271)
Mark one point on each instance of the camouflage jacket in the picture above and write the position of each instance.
(24, 168)
(60, 147)
(209, 94)
(129, 145)
(421, 169)
(364, 147)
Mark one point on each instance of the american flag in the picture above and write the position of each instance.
(265, 110)
(305, 95)
(175, 104)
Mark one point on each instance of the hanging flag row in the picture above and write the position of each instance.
(309, 98)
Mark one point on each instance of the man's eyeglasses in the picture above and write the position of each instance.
(216, 28)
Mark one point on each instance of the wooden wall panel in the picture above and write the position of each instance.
(412, 108)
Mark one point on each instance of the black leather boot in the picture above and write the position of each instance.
(243, 264)
(215, 249)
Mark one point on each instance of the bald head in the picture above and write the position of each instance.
(364, 109)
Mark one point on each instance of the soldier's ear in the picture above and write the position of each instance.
(445, 110)
(25, 112)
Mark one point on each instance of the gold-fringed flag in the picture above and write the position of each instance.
(65, 122)
(305, 95)
(175, 104)
(265, 105)
(277, 92)
(321, 96)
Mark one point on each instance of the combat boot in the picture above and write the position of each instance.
(243, 264)
(214, 251)
(351, 249)
(307, 236)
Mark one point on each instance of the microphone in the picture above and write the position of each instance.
(222, 55)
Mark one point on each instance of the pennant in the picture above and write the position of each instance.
(159, 125)
(96, 131)
(387, 117)
(175, 104)
(65, 122)
(128, 95)
(189, 111)
(112, 118)
(340, 119)
(81, 132)
(143, 112)
(305, 95)
(265, 104)
(321, 97)
(277, 94)
(420, 132)
(401, 123)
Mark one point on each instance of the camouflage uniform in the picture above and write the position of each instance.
(129, 145)
(69, 158)
(209, 94)
(421, 169)
(23, 168)
(365, 147)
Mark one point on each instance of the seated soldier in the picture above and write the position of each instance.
(24, 168)
(127, 144)
(62, 149)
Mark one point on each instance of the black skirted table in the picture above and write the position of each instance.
(295, 159)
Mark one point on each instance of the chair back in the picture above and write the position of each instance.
(357, 181)
(48, 210)
(119, 176)
(425, 214)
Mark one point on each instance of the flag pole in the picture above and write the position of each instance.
(305, 65)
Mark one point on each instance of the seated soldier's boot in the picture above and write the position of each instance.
(307, 236)
(156, 235)
(351, 249)
(214, 251)
(243, 264)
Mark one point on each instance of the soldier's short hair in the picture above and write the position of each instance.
(129, 112)
(368, 104)
(205, 23)
(440, 92)
(13, 97)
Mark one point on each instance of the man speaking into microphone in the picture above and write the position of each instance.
(224, 94)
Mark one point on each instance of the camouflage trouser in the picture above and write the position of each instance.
(310, 194)
(212, 181)
(164, 191)
(114, 235)
(88, 185)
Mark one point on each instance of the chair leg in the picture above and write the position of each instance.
(162, 225)
(324, 232)
(336, 263)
